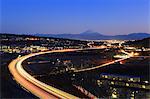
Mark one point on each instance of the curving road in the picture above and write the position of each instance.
(106, 64)
(37, 87)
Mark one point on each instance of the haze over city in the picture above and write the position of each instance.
(109, 17)
(75, 49)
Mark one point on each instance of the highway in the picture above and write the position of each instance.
(26, 84)
(33, 85)
(106, 64)
(37, 87)
(95, 67)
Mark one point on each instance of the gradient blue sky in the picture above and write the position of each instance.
(108, 17)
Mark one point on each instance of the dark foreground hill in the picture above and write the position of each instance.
(140, 43)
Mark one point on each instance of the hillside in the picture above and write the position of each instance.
(140, 43)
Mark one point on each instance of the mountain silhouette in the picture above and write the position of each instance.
(90, 35)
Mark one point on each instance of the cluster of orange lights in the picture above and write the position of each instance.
(134, 54)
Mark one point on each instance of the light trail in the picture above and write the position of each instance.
(26, 84)
(96, 67)
(35, 86)
(106, 64)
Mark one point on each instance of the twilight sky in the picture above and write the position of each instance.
(109, 17)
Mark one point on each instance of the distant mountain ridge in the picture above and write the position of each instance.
(90, 35)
